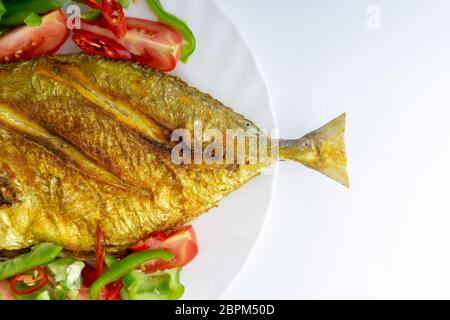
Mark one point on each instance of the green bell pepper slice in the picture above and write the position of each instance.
(38, 256)
(44, 295)
(178, 24)
(162, 285)
(121, 268)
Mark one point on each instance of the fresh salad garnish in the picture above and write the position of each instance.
(151, 43)
(152, 272)
(121, 268)
(182, 243)
(31, 28)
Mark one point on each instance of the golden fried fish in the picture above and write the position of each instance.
(86, 140)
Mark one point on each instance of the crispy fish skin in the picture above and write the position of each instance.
(86, 140)
(59, 200)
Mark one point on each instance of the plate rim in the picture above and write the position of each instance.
(275, 167)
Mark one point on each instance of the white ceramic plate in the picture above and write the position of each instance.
(224, 67)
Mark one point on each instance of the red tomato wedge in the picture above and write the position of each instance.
(89, 275)
(182, 243)
(6, 293)
(112, 291)
(27, 42)
(150, 43)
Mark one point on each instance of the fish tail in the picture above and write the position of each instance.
(322, 150)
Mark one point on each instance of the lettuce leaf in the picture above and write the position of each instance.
(67, 274)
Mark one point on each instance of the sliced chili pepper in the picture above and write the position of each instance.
(99, 253)
(36, 280)
(114, 18)
(103, 46)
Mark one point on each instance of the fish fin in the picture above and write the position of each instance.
(322, 150)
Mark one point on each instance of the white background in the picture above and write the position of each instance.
(389, 235)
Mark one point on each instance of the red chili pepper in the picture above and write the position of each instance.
(36, 280)
(100, 253)
(114, 18)
(112, 15)
(89, 274)
(103, 46)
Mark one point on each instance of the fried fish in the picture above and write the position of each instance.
(87, 140)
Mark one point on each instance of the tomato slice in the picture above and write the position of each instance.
(27, 42)
(6, 292)
(182, 243)
(83, 294)
(150, 43)
(153, 44)
(89, 275)
(112, 291)
(103, 46)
